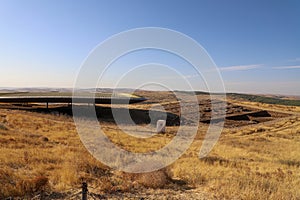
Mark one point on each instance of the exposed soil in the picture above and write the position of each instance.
(164, 105)
(236, 115)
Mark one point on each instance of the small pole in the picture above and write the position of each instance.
(42, 195)
(47, 105)
(84, 191)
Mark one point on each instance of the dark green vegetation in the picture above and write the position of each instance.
(263, 99)
(251, 97)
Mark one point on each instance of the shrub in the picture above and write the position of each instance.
(3, 127)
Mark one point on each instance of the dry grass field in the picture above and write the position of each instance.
(42, 152)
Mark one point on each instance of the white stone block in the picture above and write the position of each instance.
(161, 126)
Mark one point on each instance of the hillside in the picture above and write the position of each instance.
(41, 151)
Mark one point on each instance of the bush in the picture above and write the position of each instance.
(155, 179)
(3, 127)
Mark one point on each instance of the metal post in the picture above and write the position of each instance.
(84, 191)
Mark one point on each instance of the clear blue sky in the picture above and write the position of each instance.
(256, 44)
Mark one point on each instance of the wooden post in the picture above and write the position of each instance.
(84, 191)
(42, 195)
(47, 105)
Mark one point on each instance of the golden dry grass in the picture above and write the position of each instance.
(44, 152)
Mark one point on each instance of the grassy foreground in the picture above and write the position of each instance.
(44, 152)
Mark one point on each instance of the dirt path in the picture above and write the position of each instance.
(292, 114)
(265, 107)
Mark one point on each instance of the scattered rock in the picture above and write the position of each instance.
(44, 139)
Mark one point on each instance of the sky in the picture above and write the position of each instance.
(254, 44)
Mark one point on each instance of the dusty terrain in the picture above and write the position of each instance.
(256, 157)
